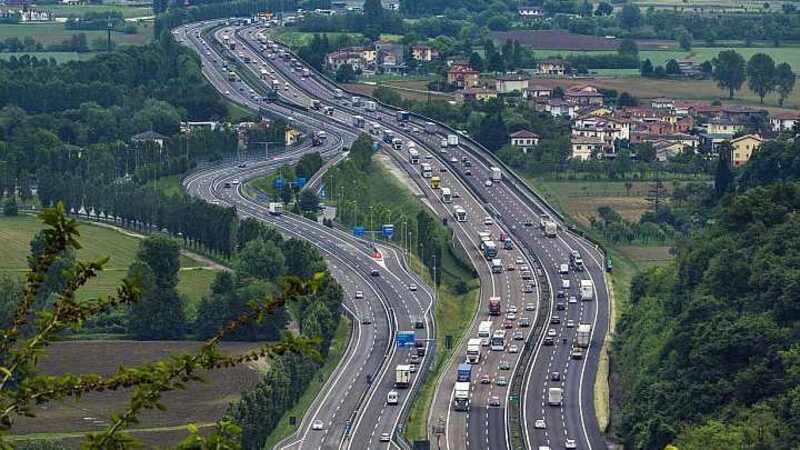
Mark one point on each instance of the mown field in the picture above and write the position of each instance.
(55, 33)
(16, 233)
(80, 10)
(201, 403)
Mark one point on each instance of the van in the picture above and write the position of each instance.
(564, 284)
(563, 269)
(391, 398)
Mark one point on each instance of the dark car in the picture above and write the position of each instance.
(549, 341)
(555, 376)
(524, 322)
(375, 273)
(555, 320)
(560, 306)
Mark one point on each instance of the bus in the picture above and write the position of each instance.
(498, 342)
(460, 214)
(447, 197)
(435, 182)
(426, 170)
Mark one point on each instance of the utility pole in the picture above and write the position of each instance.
(108, 34)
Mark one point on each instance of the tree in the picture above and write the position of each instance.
(10, 207)
(761, 75)
(492, 133)
(302, 259)
(373, 12)
(345, 73)
(723, 180)
(586, 9)
(784, 81)
(308, 201)
(729, 71)
(707, 69)
(261, 260)
(685, 40)
(308, 165)
(672, 68)
(475, 61)
(603, 9)
(286, 193)
(162, 255)
(646, 70)
(630, 17)
(628, 48)
(626, 99)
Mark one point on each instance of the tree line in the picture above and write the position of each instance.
(168, 18)
(762, 75)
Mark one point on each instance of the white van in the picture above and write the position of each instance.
(391, 398)
(564, 284)
(563, 269)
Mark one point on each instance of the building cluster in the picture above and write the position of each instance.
(380, 56)
(25, 14)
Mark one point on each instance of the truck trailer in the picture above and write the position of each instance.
(402, 376)
(587, 290)
(584, 335)
(461, 396)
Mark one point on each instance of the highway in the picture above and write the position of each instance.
(512, 208)
(354, 398)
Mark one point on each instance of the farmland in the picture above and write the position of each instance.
(55, 33)
(80, 10)
(201, 403)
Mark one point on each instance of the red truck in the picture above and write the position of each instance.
(494, 306)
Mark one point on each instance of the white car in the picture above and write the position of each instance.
(570, 324)
(519, 260)
(530, 307)
(539, 424)
(412, 287)
(488, 221)
(570, 443)
(317, 425)
(512, 308)
(359, 294)
(385, 437)
(487, 183)
(513, 348)
(511, 316)
(552, 332)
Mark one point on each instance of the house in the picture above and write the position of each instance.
(475, 94)
(524, 140)
(724, 126)
(391, 56)
(689, 68)
(529, 13)
(291, 137)
(743, 148)
(551, 67)
(35, 15)
(462, 76)
(667, 149)
(149, 136)
(188, 127)
(584, 148)
(506, 84)
(537, 91)
(424, 52)
(613, 127)
(558, 107)
(583, 95)
(783, 121)
(662, 103)
(336, 59)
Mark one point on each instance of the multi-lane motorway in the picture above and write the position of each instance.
(507, 207)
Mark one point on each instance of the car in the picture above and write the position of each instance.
(375, 273)
(488, 221)
(511, 268)
(428, 156)
(524, 322)
(513, 348)
(487, 183)
(560, 306)
(495, 401)
(242, 165)
(560, 294)
(555, 320)
(241, 89)
(512, 309)
(467, 172)
(227, 92)
(511, 316)
(530, 307)
(359, 294)
(456, 194)
(235, 181)
(539, 272)
(570, 324)
(528, 288)
(552, 332)
(539, 424)
(573, 299)
(507, 324)
(501, 381)
(518, 336)
(442, 169)
(555, 376)
(549, 341)
(412, 368)
(570, 443)
(504, 365)
(385, 437)
(528, 223)
(519, 260)
(412, 287)
(453, 159)
(485, 379)
(366, 321)
(414, 358)
(227, 185)
(317, 425)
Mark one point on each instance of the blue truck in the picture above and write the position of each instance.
(406, 338)
(464, 372)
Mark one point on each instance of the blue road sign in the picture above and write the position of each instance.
(358, 231)
(301, 181)
(388, 230)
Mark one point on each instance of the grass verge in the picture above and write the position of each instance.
(338, 346)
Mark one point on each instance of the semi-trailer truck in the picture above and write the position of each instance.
(402, 375)
(584, 335)
(474, 350)
(554, 396)
(371, 106)
(358, 121)
(464, 372)
(402, 116)
(413, 156)
(497, 174)
(452, 140)
(494, 306)
(587, 290)
(489, 249)
(461, 396)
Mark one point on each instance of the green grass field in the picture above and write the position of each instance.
(55, 33)
(16, 233)
(80, 10)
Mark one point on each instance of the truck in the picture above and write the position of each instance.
(583, 335)
(508, 244)
(315, 104)
(426, 170)
(402, 116)
(306, 73)
(554, 396)
(413, 156)
(371, 106)
(355, 101)
(387, 136)
(474, 350)
(430, 127)
(452, 140)
(485, 331)
(358, 122)
(402, 376)
(443, 144)
(489, 250)
(497, 265)
(275, 208)
(436, 182)
(464, 372)
(587, 290)
(397, 144)
(494, 306)
(461, 396)
(497, 174)
(550, 229)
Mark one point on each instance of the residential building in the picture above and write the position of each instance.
(149, 136)
(783, 121)
(537, 91)
(391, 56)
(689, 68)
(662, 103)
(506, 84)
(666, 149)
(551, 67)
(525, 140)
(744, 147)
(424, 52)
(529, 13)
(558, 107)
(584, 148)
(336, 59)
(475, 94)
(722, 126)
(583, 95)
(188, 127)
(462, 76)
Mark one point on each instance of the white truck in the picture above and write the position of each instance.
(474, 350)
(402, 375)
(554, 396)
(443, 143)
(550, 229)
(371, 106)
(413, 156)
(497, 174)
(587, 290)
(397, 144)
(358, 121)
(584, 335)
(452, 140)
(275, 208)
(497, 265)
(461, 396)
(485, 332)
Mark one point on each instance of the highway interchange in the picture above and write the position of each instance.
(505, 207)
